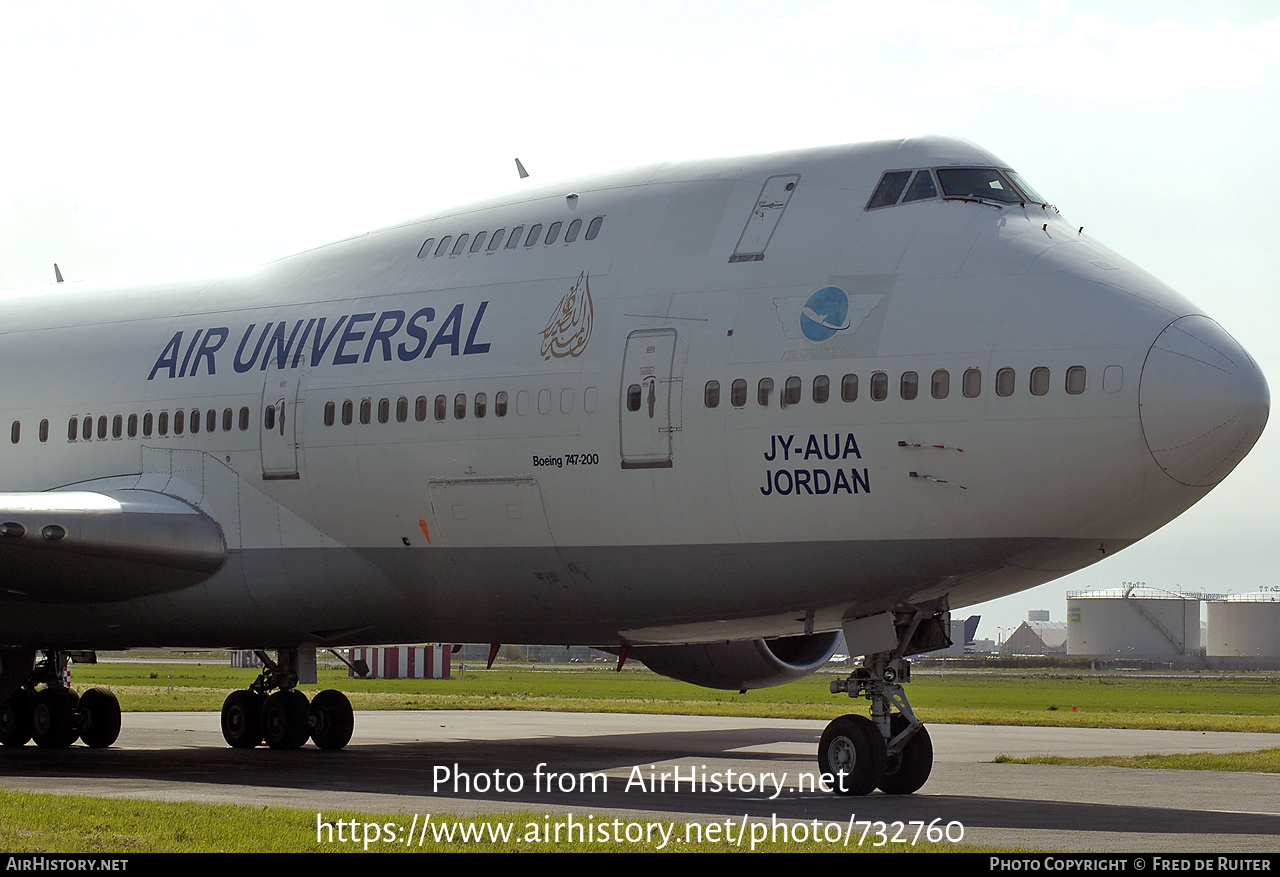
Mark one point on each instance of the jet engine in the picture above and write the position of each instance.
(744, 664)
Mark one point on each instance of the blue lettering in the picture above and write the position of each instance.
(863, 479)
(448, 332)
(278, 343)
(384, 335)
(168, 357)
(851, 447)
(182, 372)
(841, 482)
(240, 365)
(416, 331)
(302, 343)
(318, 353)
(340, 358)
(471, 346)
(209, 347)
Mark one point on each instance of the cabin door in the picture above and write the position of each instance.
(281, 406)
(650, 399)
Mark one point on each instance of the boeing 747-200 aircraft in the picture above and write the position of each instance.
(708, 415)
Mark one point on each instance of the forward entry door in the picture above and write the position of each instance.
(281, 398)
(649, 399)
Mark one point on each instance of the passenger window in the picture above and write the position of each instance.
(909, 386)
(879, 387)
(566, 400)
(738, 393)
(180, 420)
(228, 419)
(384, 409)
(73, 429)
(514, 240)
(146, 425)
(791, 391)
(553, 232)
(849, 388)
(366, 411)
(162, 426)
(1004, 382)
(478, 242)
(244, 418)
(763, 390)
(940, 384)
(821, 388)
(534, 234)
(402, 409)
(348, 412)
(921, 188)
(460, 406)
(420, 409)
(571, 233)
(102, 426)
(426, 248)
(482, 404)
(1039, 381)
(496, 240)
(633, 397)
(87, 432)
(329, 411)
(711, 394)
(460, 245)
(15, 431)
(441, 407)
(444, 245)
(44, 428)
(886, 193)
(1075, 380)
(500, 404)
(132, 427)
(594, 228)
(195, 421)
(117, 427)
(971, 383)
(211, 420)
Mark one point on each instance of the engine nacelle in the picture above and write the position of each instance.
(744, 664)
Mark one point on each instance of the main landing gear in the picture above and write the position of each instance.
(891, 750)
(273, 711)
(54, 716)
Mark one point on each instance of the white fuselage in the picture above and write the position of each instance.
(612, 502)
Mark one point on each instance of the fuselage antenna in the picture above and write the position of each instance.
(520, 169)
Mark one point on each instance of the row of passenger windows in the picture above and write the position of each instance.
(456, 247)
(441, 407)
(119, 426)
(908, 386)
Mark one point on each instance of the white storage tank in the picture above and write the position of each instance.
(1133, 621)
(1244, 625)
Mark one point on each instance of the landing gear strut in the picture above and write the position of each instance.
(54, 716)
(891, 750)
(272, 710)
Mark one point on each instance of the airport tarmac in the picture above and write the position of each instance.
(409, 762)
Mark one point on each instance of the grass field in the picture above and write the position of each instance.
(1179, 702)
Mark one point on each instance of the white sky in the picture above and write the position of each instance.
(143, 139)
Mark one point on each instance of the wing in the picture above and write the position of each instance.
(81, 546)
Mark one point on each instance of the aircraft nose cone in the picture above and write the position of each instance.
(1202, 400)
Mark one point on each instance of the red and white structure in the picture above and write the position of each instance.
(404, 662)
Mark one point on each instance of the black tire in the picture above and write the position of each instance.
(286, 720)
(242, 719)
(910, 770)
(53, 720)
(15, 718)
(99, 718)
(851, 755)
(332, 719)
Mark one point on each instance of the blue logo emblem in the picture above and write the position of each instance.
(825, 313)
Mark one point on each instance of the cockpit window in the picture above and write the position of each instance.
(921, 188)
(891, 186)
(1032, 194)
(978, 182)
